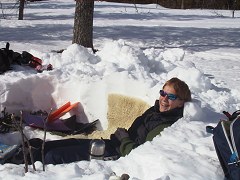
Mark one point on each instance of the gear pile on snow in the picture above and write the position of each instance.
(9, 57)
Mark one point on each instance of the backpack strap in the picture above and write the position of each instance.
(209, 129)
(227, 114)
(232, 116)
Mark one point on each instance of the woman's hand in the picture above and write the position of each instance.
(121, 133)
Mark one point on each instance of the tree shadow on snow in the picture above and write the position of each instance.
(187, 38)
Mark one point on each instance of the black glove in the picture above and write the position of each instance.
(121, 133)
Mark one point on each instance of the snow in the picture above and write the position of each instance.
(139, 49)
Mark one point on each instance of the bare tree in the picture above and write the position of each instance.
(83, 23)
(21, 9)
(19, 127)
(234, 7)
(1, 7)
(44, 138)
(182, 4)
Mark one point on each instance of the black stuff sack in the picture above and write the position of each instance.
(4, 60)
(7, 58)
(226, 139)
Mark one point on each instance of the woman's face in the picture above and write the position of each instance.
(165, 104)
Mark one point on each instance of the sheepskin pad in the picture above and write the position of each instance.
(122, 111)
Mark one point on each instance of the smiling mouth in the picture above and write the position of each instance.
(164, 105)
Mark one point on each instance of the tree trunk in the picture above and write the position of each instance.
(234, 7)
(21, 8)
(182, 4)
(83, 23)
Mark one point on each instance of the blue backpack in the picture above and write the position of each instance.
(7, 151)
(226, 139)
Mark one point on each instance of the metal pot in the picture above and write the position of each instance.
(96, 149)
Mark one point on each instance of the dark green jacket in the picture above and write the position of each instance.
(147, 126)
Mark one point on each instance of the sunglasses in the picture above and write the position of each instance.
(172, 97)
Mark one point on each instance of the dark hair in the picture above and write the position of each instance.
(181, 88)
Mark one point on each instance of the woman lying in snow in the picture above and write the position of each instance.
(166, 111)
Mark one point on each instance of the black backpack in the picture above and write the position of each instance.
(226, 139)
(7, 58)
